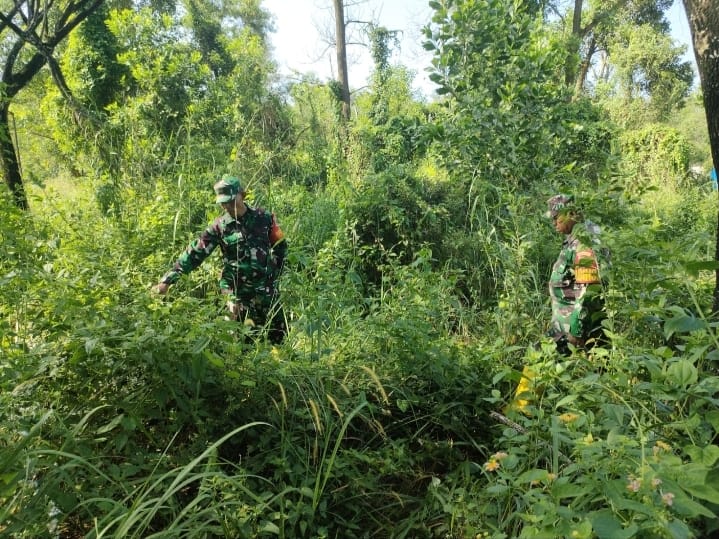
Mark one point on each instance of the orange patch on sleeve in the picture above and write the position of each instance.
(276, 234)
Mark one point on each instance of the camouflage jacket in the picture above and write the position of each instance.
(253, 252)
(575, 288)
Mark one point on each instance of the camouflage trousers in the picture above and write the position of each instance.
(260, 314)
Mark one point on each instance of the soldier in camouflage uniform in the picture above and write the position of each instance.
(575, 286)
(253, 252)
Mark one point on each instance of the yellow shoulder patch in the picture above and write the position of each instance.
(586, 270)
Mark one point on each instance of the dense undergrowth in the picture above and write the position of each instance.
(385, 413)
(415, 292)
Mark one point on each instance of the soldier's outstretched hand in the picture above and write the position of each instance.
(161, 288)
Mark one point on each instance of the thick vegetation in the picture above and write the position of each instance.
(414, 290)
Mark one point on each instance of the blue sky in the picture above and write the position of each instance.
(299, 47)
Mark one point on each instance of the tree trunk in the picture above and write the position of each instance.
(341, 47)
(8, 159)
(703, 18)
(29, 28)
(582, 77)
(570, 73)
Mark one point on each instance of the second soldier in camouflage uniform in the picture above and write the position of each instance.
(575, 285)
(253, 252)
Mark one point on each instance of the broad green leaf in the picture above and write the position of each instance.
(637, 507)
(533, 475)
(614, 490)
(710, 454)
(712, 417)
(569, 490)
(565, 401)
(695, 266)
(704, 492)
(583, 530)
(683, 324)
(270, 527)
(682, 373)
(679, 530)
(534, 532)
(684, 505)
(607, 526)
(497, 489)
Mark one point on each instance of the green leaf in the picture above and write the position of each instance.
(569, 490)
(497, 489)
(615, 439)
(583, 530)
(607, 526)
(498, 377)
(213, 359)
(683, 324)
(614, 491)
(679, 530)
(200, 344)
(707, 455)
(712, 417)
(684, 505)
(111, 425)
(693, 267)
(8, 478)
(269, 527)
(565, 401)
(682, 373)
(533, 475)
(703, 492)
(10, 484)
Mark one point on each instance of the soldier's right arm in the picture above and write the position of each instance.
(192, 257)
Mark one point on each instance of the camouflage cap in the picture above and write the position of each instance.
(557, 203)
(227, 189)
